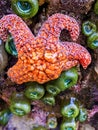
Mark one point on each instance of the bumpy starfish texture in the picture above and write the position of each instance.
(44, 57)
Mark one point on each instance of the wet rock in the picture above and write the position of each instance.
(87, 127)
(96, 63)
(19, 123)
(35, 118)
(41, 2)
(75, 6)
(3, 57)
(5, 7)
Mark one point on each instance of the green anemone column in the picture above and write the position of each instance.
(88, 28)
(70, 108)
(34, 91)
(25, 8)
(19, 105)
(92, 41)
(68, 124)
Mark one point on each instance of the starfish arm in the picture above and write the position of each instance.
(51, 29)
(15, 73)
(18, 29)
(69, 64)
(75, 51)
(21, 72)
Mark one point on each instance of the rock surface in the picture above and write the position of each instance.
(3, 57)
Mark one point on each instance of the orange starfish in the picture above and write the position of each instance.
(44, 57)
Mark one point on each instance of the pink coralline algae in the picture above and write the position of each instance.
(38, 115)
(44, 57)
(92, 112)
